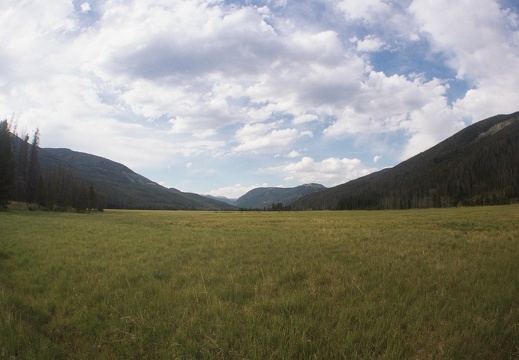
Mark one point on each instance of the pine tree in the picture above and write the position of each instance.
(92, 197)
(6, 164)
(42, 192)
(33, 169)
(21, 151)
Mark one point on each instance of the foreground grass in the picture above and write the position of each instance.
(192, 285)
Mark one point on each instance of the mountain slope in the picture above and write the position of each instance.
(222, 198)
(120, 187)
(264, 197)
(478, 165)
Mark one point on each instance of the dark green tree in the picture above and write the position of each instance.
(33, 169)
(42, 192)
(92, 197)
(6, 164)
(21, 151)
(277, 207)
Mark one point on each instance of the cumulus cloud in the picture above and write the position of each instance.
(190, 38)
(305, 118)
(266, 137)
(391, 103)
(367, 10)
(370, 43)
(85, 7)
(331, 171)
(479, 51)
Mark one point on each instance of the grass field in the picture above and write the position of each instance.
(420, 284)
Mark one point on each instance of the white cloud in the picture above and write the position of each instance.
(370, 43)
(478, 33)
(266, 137)
(480, 51)
(181, 40)
(429, 125)
(367, 10)
(85, 7)
(235, 191)
(305, 118)
(322, 47)
(389, 104)
(329, 172)
(489, 99)
(377, 158)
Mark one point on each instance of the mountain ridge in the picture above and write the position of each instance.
(265, 197)
(479, 165)
(120, 187)
(476, 166)
(221, 198)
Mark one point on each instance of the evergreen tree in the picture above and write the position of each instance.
(6, 164)
(92, 197)
(21, 150)
(42, 192)
(33, 169)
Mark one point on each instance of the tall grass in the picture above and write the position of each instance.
(191, 285)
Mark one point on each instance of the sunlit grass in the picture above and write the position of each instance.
(385, 284)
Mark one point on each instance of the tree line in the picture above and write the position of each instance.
(22, 179)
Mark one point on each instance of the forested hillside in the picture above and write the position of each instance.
(275, 198)
(23, 179)
(477, 166)
(61, 179)
(120, 187)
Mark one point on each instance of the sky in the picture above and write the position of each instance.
(219, 97)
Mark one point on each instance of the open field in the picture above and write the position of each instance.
(192, 285)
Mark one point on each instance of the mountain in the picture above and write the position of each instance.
(264, 197)
(222, 198)
(477, 166)
(119, 187)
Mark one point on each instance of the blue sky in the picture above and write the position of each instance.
(218, 97)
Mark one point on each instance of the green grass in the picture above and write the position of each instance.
(422, 284)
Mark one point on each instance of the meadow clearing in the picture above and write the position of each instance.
(416, 284)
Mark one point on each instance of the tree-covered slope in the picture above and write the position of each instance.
(120, 187)
(478, 165)
(265, 197)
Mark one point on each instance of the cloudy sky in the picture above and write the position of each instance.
(218, 97)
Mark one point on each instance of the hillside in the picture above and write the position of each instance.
(264, 197)
(120, 187)
(222, 198)
(478, 165)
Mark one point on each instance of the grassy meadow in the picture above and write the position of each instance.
(415, 284)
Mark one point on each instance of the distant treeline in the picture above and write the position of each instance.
(22, 180)
(274, 207)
